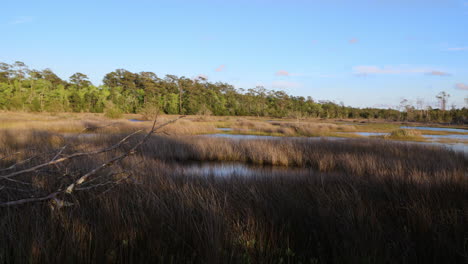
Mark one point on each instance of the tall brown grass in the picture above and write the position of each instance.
(367, 202)
(308, 129)
(98, 124)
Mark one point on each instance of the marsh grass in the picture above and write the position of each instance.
(405, 134)
(284, 128)
(97, 123)
(368, 201)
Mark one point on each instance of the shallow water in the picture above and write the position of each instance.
(368, 134)
(438, 137)
(228, 169)
(460, 147)
(437, 129)
(430, 137)
(241, 137)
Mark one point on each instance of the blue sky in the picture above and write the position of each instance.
(364, 53)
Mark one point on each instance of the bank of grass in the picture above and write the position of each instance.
(368, 201)
(72, 123)
(297, 129)
(405, 134)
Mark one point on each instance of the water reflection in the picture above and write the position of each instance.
(461, 147)
(369, 134)
(240, 137)
(437, 129)
(224, 128)
(218, 169)
(439, 137)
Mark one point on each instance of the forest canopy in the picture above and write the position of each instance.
(24, 89)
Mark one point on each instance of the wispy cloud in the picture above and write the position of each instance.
(353, 40)
(286, 73)
(457, 49)
(462, 86)
(364, 70)
(285, 85)
(438, 73)
(21, 20)
(282, 73)
(220, 68)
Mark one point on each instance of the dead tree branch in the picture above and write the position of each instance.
(84, 178)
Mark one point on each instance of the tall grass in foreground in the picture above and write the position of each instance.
(368, 202)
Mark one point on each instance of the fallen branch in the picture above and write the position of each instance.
(71, 187)
(72, 156)
(118, 158)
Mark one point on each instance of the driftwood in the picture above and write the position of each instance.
(82, 179)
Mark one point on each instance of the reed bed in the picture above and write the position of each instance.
(99, 124)
(368, 201)
(307, 129)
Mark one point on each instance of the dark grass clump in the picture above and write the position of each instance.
(367, 202)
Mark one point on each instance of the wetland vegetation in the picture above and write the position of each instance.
(186, 197)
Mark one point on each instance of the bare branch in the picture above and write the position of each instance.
(118, 158)
(18, 163)
(73, 186)
(29, 200)
(75, 155)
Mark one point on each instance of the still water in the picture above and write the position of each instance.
(453, 146)
(437, 129)
(229, 169)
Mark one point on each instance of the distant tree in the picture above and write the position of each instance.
(49, 75)
(174, 80)
(20, 70)
(443, 98)
(42, 90)
(80, 80)
(5, 72)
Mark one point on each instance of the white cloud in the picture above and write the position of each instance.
(21, 20)
(220, 68)
(462, 86)
(364, 70)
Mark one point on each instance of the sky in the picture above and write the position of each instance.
(363, 53)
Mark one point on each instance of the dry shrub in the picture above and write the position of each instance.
(149, 111)
(404, 133)
(112, 111)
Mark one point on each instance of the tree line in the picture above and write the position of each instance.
(24, 89)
